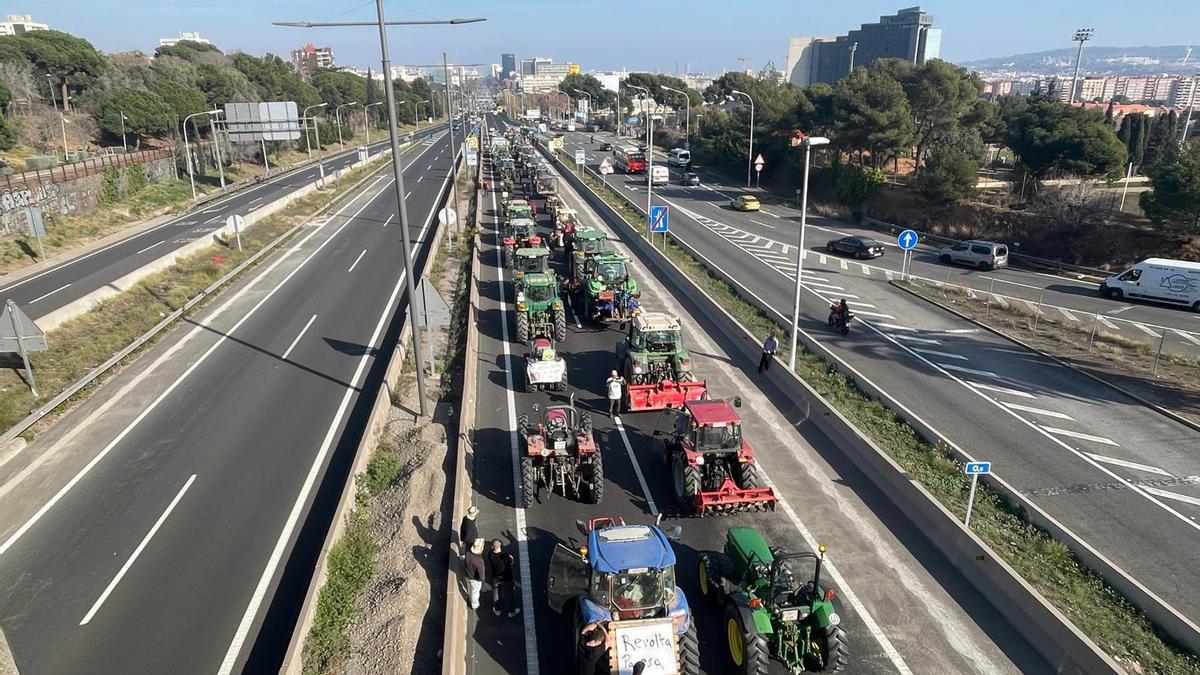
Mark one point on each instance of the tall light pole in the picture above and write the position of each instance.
(617, 111)
(337, 114)
(750, 152)
(687, 134)
(1081, 36)
(124, 145)
(587, 118)
(649, 162)
(1190, 109)
(417, 112)
(304, 116)
(63, 120)
(50, 84)
(453, 147)
(367, 123)
(187, 149)
(808, 146)
(217, 146)
(398, 171)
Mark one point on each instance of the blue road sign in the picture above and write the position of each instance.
(687, 145)
(977, 468)
(659, 221)
(907, 240)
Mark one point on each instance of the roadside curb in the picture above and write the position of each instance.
(8, 666)
(1166, 412)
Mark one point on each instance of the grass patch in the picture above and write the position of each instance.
(351, 564)
(1079, 593)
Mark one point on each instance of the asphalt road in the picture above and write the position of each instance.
(42, 293)
(1121, 476)
(163, 526)
(905, 610)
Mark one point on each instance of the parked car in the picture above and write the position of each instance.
(745, 203)
(859, 247)
(690, 178)
(985, 255)
(606, 147)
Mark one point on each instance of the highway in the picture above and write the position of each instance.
(62, 283)
(1119, 475)
(163, 525)
(905, 609)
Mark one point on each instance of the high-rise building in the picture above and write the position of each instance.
(526, 67)
(1096, 89)
(309, 58)
(1183, 91)
(16, 24)
(508, 64)
(908, 34)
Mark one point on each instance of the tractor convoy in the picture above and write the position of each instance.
(624, 578)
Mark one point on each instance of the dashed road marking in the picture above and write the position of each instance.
(934, 352)
(355, 264)
(1145, 329)
(1000, 390)
(1038, 411)
(919, 340)
(1172, 495)
(1080, 436)
(1127, 464)
(298, 336)
(969, 371)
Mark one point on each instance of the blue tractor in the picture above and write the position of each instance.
(625, 579)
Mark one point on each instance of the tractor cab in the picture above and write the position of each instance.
(656, 333)
(608, 269)
(523, 233)
(517, 208)
(537, 289)
(566, 218)
(709, 426)
(531, 261)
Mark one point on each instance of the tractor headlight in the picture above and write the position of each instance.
(834, 619)
(558, 304)
(545, 452)
(520, 305)
(700, 461)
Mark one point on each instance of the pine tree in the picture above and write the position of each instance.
(1124, 131)
(1108, 114)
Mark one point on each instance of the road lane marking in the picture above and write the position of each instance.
(254, 201)
(895, 326)
(920, 340)
(1080, 436)
(1037, 411)
(843, 264)
(43, 297)
(863, 304)
(150, 247)
(866, 270)
(389, 219)
(767, 213)
(298, 336)
(1067, 313)
(1188, 336)
(756, 222)
(1146, 330)
(1172, 495)
(945, 355)
(637, 468)
(360, 257)
(1129, 465)
(969, 371)
(959, 331)
(820, 257)
(1013, 283)
(420, 178)
(877, 314)
(137, 552)
(1115, 312)
(1000, 390)
(1106, 323)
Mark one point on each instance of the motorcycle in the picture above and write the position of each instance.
(838, 320)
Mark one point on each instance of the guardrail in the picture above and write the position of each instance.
(88, 167)
(1054, 637)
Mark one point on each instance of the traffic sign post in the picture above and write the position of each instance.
(237, 223)
(580, 157)
(907, 241)
(432, 310)
(974, 470)
(759, 163)
(18, 333)
(37, 227)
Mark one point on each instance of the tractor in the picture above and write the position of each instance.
(519, 233)
(597, 290)
(712, 466)
(540, 311)
(546, 185)
(516, 208)
(656, 367)
(535, 260)
(770, 613)
(583, 245)
(558, 454)
(544, 368)
(624, 578)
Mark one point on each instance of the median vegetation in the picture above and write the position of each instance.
(1079, 593)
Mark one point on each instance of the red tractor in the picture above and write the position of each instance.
(712, 466)
(558, 454)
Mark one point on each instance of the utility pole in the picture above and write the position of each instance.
(853, 48)
(453, 147)
(124, 145)
(1190, 109)
(1081, 36)
(750, 152)
(367, 123)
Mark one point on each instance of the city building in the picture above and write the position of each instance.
(408, 73)
(1184, 92)
(611, 79)
(1096, 89)
(373, 73)
(309, 58)
(16, 24)
(184, 36)
(526, 67)
(908, 34)
(508, 64)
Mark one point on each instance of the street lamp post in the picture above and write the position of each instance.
(337, 114)
(50, 84)
(63, 120)
(687, 134)
(453, 147)
(1081, 36)
(367, 123)
(750, 152)
(307, 143)
(187, 149)
(417, 112)
(124, 145)
(808, 146)
(649, 163)
(217, 146)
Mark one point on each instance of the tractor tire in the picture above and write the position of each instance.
(522, 327)
(562, 384)
(560, 324)
(689, 650)
(830, 652)
(593, 480)
(747, 648)
(714, 567)
(685, 481)
(508, 258)
(528, 482)
(749, 477)
(585, 424)
(523, 426)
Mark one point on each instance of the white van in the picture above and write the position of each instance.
(660, 175)
(679, 157)
(1158, 279)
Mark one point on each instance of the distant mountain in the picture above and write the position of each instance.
(1096, 61)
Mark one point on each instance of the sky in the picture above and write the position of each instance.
(658, 35)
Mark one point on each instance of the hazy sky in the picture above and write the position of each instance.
(610, 34)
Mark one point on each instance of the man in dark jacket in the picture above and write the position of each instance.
(501, 566)
(474, 571)
(468, 531)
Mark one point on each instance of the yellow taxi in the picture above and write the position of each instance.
(745, 203)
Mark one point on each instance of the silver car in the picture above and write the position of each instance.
(985, 255)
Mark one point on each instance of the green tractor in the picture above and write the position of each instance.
(585, 244)
(534, 260)
(540, 312)
(597, 281)
(770, 613)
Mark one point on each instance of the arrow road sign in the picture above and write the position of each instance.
(659, 218)
(977, 468)
(907, 240)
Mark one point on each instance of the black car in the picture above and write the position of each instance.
(605, 146)
(859, 247)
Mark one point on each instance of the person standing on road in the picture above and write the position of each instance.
(474, 571)
(468, 531)
(769, 347)
(501, 564)
(614, 386)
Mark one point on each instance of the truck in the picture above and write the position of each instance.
(659, 175)
(624, 579)
(679, 157)
(1172, 282)
(657, 369)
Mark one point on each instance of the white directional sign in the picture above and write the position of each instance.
(580, 156)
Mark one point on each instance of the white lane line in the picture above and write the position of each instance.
(820, 258)
(1000, 390)
(43, 297)
(1037, 411)
(360, 257)
(429, 167)
(420, 178)
(298, 336)
(1147, 331)
(896, 327)
(636, 467)
(843, 264)
(1080, 436)
(1115, 312)
(136, 552)
(1172, 495)
(818, 285)
(1188, 336)
(969, 371)
(934, 352)
(757, 222)
(958, 331)
(863, 304)
(866, 270)
(389, 219)
(768, 213)
(1106, 323)
(150, 247)
(1128, 465)
(1013, 283)
(875, 314)
(919, 340)
(254, 201)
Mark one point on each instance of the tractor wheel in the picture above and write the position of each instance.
(593, 480)
(523, 426)
(685, 480)
(522, 327)
(508, 257)
(714, 567)
(562, 384)
(828, 650)
(689, 650)
(560, 324)
(585, 424)
(750, 478)
(747, 647)
(528, 482)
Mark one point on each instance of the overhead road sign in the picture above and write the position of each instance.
(269, 121)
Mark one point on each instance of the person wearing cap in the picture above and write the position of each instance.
(468, 531)
(474, 571)
(614, 385)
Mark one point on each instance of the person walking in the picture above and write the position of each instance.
(474, 571)
(468, 531)
(769, 347)
(501, 565)
(614, 385)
